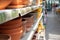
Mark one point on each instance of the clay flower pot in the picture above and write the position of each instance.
(29, 17)
(15, 34)
(16, 2)
(11, 24)
(4, 37)
(28, 21)
(19, 2)
(15, 6)
(24, 24)
(25, 2)
(34, 15)
(4, 3)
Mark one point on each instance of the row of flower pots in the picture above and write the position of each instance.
(13, 28)
(13, 4)
(17, 28)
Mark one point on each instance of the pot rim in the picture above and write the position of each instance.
(8, 36)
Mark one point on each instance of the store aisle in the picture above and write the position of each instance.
(52, 27)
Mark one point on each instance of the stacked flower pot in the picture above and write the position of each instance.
(17, 27)
(13, 28)
(12, 4)
(18, 4)
(28, 21)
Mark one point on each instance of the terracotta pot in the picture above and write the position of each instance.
(4, 37)
(19, 2)
(28, 22)
(11, 24)
(29, 25)
(15, 34)
(23, 23)
(16, 2)
(25, 2)
(4, 3)
(29, 17)
(15, 6)
(34, 15)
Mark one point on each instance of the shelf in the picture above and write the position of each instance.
(26, 10)
(9, 14)
(30, 34)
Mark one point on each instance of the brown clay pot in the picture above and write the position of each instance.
(16, 2)
(25, 2)
(29, 17)
(35, 15)
(11, 24)
(28, 22)
(4, 3)
(15, 34)
(15, 6)
(23, 23)
(4, 37)
(19, 2)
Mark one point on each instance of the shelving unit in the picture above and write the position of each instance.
(30, 34)
(10, 14)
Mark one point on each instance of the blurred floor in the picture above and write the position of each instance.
(53, 26)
